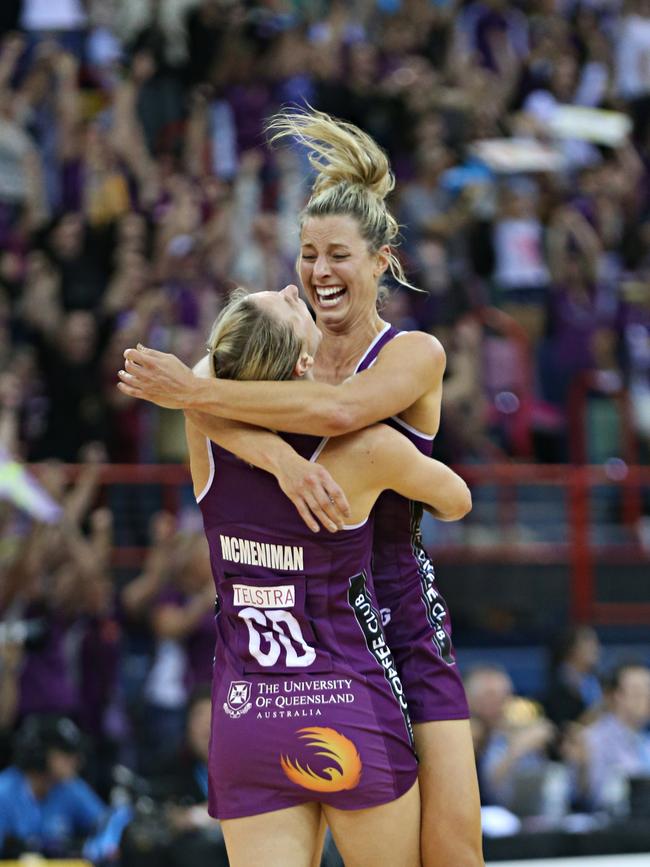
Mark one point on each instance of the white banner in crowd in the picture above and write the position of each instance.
(22, 489)
(609, 128)
(511, 155)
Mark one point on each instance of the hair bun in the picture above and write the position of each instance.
(340, 152)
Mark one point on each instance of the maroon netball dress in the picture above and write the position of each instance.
(307, 701)
(415, 616)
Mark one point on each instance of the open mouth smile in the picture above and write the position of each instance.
(329, 296)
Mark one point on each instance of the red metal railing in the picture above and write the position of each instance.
(580, 552)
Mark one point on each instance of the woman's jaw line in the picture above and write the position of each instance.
(341, 317)
(365, 321)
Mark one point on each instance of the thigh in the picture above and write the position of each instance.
(317, 857)
(451, 807)
(371, 837)
(281, 838)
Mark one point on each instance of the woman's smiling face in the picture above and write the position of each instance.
(287, 306)
(338, 272)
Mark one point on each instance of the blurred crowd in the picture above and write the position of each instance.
(105, 676)
(137, 189)
(583, 747)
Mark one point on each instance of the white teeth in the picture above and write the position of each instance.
(329, 296)
(324, 291)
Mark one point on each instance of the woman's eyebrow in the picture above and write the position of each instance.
(329, 244)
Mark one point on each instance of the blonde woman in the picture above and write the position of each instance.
(347, 235)
(308, 710)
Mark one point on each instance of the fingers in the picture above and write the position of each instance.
(319, 498)
(149, 354)
(127, 388)
(313, 511)
(133, 375)
(332, 500)
(319, 507)
(143, 356)
(132, 367)
(340, 508)
(305, 514)
(134, 356)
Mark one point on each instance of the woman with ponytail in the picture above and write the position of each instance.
(365, 372)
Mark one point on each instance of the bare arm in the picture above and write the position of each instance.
(67, 101)
(127, 136)
(386, 459)
(308, 485)
(172, 621)
(10, 402)
(10, 660)
(255, 445)
(406, 369)
(158, 566)
(530, 739)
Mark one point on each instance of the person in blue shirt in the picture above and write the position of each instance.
(45, 806)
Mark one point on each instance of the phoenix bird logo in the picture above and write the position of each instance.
(331, 744)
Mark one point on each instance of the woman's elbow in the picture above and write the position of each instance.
(466, 502)
(339, 420)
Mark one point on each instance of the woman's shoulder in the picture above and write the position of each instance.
(369, 443)
(420, 341)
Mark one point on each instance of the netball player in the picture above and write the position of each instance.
(347, 234)
(308, 708)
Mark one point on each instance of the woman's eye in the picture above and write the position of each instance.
(341, 256)
(307, 258)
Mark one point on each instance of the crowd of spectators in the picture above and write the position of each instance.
(137, 189)
(580, 748)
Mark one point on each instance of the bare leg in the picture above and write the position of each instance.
(374, 837)
(451, 807)
(282, 838)
(320, 842)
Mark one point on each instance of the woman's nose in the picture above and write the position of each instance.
(321, 266)
(291, 291)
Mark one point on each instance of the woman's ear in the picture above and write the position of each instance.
(383, 261)
(304, 363)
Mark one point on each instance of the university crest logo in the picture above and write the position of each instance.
(238, 701)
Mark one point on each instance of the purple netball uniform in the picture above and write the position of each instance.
(415, 616)
(307, 702)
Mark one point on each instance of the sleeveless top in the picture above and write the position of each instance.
(299, 643)
(398, 550)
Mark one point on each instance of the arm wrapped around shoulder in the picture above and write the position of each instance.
(406, 470)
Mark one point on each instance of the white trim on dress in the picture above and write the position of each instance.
(413, 430)
(371, 347)
(208, 485)
(319, 448)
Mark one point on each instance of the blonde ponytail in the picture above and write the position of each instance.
(340, 152)
(353, 176)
